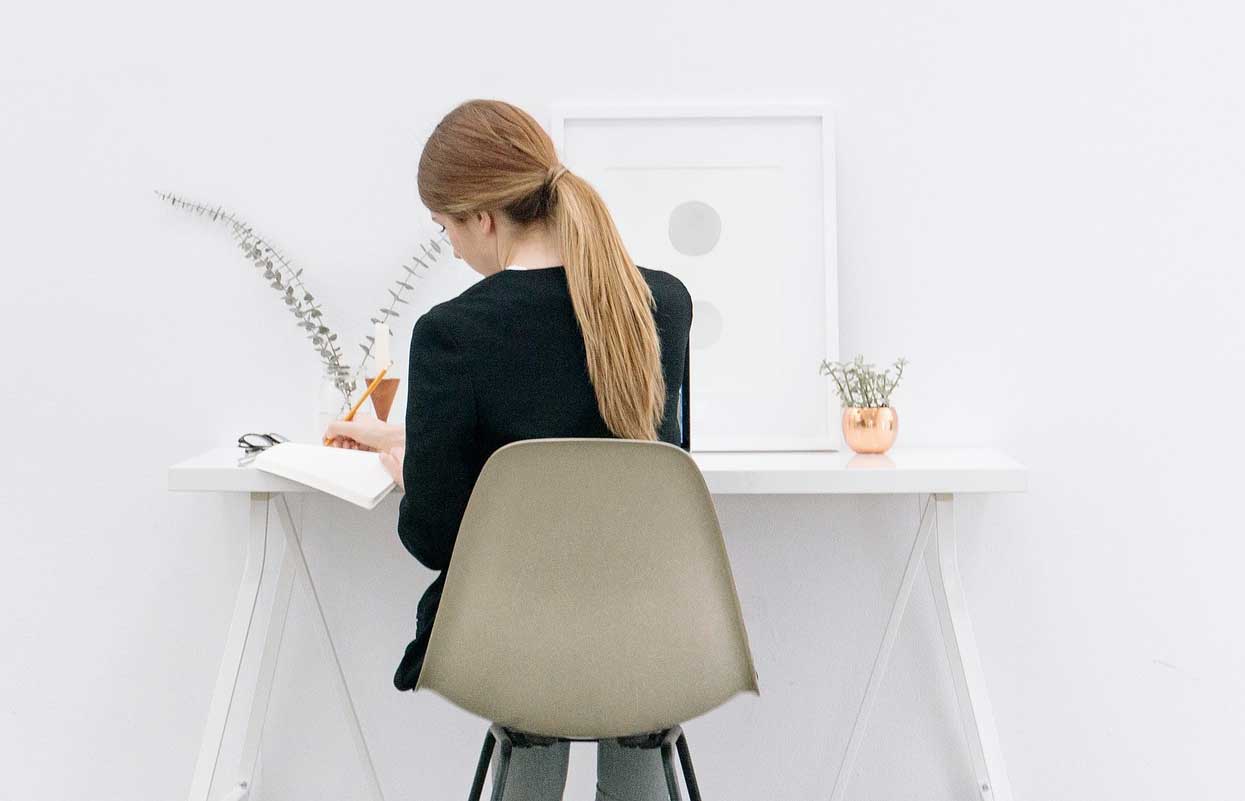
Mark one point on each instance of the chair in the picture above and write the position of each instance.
(589, 597)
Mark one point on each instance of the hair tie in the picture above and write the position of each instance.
(555, 172)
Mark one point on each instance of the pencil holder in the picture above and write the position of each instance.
(382, 397)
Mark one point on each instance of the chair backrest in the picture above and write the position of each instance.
(589, 594)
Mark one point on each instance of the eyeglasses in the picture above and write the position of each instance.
(252, 444)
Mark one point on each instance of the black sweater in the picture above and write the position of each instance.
(505, 361)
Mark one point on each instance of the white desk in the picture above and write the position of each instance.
(937, 473)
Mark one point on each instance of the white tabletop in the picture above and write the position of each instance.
(900, 470)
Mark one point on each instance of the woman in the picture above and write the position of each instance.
(563, 337)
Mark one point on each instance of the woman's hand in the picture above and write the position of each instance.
(366, 433)
(392, 460)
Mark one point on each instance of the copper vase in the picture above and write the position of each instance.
(382, 397)
(870, 429)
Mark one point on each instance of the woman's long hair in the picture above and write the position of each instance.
(487, 155)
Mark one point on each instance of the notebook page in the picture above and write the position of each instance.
(354, 476)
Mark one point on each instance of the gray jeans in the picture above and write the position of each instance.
(538, 773)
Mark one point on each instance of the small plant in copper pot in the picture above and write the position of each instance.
(870, 425)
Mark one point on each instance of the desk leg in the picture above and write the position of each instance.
(919, 544)
(274, 633)
(957, 636)
(240, 630)
(294, 547)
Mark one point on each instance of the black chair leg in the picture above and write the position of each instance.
(486, 753)
(689, 774)
(503, 767)
(667, 761)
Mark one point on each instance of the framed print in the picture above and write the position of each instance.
(737, 201)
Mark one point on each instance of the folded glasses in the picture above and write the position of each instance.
(252, 444)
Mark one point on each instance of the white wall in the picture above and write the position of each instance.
(1039, 206)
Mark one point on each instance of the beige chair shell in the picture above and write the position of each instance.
(589, 594)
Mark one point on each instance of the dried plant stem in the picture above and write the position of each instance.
(305, 308)
(300, 300)
(860, 385)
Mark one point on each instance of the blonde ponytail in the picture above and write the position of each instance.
(614, 306)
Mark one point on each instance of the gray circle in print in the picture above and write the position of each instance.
(706, 324)
(695, 228)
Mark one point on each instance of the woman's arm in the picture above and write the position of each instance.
(441, 459)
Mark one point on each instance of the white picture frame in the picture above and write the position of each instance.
(756, 343)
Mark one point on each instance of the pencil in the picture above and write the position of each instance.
(359, 402)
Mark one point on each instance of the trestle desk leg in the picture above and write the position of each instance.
(237, 643)
(957, 636)
(293, 540)
(919, 543)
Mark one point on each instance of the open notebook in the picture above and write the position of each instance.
(355, 476)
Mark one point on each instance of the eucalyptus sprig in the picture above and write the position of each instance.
(301, 303)
(860, 385)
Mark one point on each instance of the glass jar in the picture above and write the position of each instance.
(331, 404)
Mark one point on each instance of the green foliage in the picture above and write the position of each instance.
(301, 303)
(860, 385)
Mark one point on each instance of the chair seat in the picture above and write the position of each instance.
(589, 593)
(589, 597)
